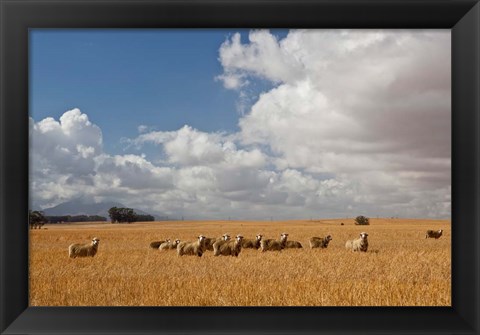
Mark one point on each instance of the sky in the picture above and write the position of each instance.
(243, 124)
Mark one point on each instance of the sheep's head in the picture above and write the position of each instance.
(176, 242)
(259, 237)
(239, 238)
(284, 236)
(226, 237)
(329, 237)
(95, 241)
(440, 231)
(363, 235)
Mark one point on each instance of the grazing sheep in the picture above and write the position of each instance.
(168, 245)
(320, 242)
(434, 234)
(252, 244)
(359, 244)
(293, 245)
(228, 248)
(220, 242)
(156, 244)
(192, 248)
(83, 250)
(209, 241)
(274, 245)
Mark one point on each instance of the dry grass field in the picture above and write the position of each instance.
(401, 267)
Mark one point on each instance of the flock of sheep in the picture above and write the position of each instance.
(225, 246)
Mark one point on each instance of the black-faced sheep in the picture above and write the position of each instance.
(228, 248)
(209, 241)
(434, 234)
(252, 243)
(320, 242)
(359, 244)
(168, 245)
(83, 250)
(192, 248)
(273, 245)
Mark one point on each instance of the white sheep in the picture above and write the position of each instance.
(156, 244)
(209, 241)
(168, 245)
(228, 248)
(192, 248)
(83, 250)
(220, 242)
(292, 244)
(320, 242)
(434, 234)
(359, 244)
(252, 243)
(274, 245)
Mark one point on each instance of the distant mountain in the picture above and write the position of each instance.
(81, 207)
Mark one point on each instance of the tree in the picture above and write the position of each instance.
(128, 215)
(114, 214)
(362, 220)
(122, 214)
(36, 219)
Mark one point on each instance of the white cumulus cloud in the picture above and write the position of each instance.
(371, 107)
(355, 122)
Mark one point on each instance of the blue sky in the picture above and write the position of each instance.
(126, 78)
(246, 124)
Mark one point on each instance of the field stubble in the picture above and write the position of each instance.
(401, 267)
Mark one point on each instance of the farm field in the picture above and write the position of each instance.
(401, 267)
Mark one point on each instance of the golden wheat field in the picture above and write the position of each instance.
(401, 267)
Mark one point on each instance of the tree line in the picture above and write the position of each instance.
(127, 215)
(74, 218)
(117, 215)
(39, 218)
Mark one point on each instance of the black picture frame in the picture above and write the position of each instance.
(18, 16)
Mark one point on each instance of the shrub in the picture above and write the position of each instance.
(362, 220)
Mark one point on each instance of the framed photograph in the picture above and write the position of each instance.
(239, 167)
